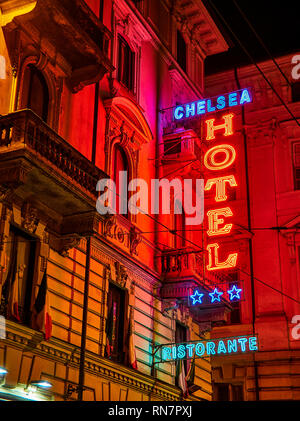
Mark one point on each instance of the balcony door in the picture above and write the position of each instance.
(35, 92)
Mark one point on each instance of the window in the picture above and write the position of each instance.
(181, 51)
(138, 3)
(117, 324)
(234, 317)
(296, 92)
(180, 337)
(179, 219)
(172, 146)
(120, 163)
(101, 7)
(228, 392)
(296, 165)
(126, 64)
(35, 92)
(17, 288)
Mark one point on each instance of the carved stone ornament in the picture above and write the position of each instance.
(108, 225)
(29, 218)
(121, 274)
(135, 239)
(168, 305)
(107, 273)
(66, 244)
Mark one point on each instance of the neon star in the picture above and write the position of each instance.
(234, 293)
(197, 297)
(215, 296)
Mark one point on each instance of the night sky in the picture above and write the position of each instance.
(276, 22)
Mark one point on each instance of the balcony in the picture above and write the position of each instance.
(38, 165)
(183, 269)
(72, 29)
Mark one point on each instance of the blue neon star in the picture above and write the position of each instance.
(234, 293)
(215, 296)
(197, 297)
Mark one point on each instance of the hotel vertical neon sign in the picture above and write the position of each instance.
(218, 158)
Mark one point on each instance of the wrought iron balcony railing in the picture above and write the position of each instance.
(24, 130)
(187, 263)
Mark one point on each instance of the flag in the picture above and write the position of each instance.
(181, 379)
(13, 300)
(131, 347)
(109, 333)
(11, 285)
(190, 377)
(42, 319)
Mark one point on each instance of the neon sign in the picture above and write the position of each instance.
(218, 294)
(214, 104)
(205, 348)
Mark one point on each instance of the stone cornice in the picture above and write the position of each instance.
(28, 340)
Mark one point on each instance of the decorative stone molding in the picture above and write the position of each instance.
(121, 274)
(169, 305)
(120, 230)
(27, 340)
(135, 239)
(129, 24)
(68, 243)
(29, 218)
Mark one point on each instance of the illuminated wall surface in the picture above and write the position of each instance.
(75, 110)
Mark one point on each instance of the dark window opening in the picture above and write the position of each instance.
(296, 165)
(181, 337)
(296, 92)
(181, 51)
(101, 7)
(17, 288)
(228, 392)
(120, 163)
(179, 219)
(117, 324)
(35, 92)
(126, 63)
(172, 146)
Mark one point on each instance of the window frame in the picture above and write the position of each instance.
(295, 167)
(27, 91)
(121, 356)
(180, 326)
(132, 61)
(26, 306)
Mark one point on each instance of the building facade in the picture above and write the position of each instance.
(266, 212)
(85, 90)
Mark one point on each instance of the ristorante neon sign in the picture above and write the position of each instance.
(218, 158)
(205, 348)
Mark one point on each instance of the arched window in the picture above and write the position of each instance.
(35, 92)
(126, 64)
(179, 219)
(120, 163)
